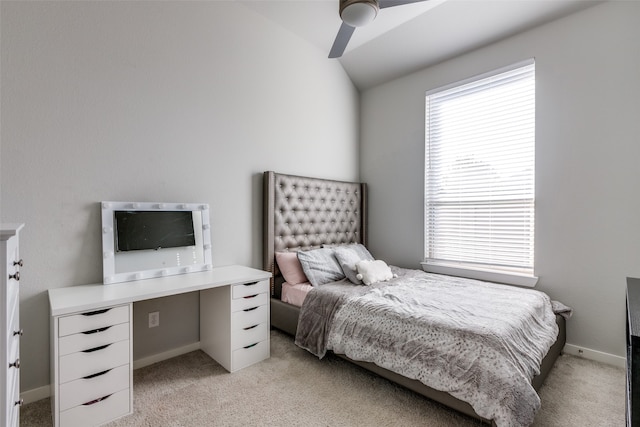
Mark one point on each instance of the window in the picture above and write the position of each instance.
(479, 177)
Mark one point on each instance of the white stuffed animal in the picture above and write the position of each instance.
(373, 271)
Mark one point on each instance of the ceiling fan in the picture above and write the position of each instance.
(357, 13)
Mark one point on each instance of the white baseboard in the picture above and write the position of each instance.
(36, 394)
(43, 392)
(146, 361)
(598, 356)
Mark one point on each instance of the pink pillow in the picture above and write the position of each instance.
(290, 268)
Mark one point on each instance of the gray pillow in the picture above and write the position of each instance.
(320, 266)
(348, 256)
(362, 251)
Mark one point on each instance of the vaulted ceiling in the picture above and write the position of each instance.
(407, 38)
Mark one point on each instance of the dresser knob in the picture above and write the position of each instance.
(15, 364)
(20, 332)
(15, 276)
(19, 402)
(18, 263)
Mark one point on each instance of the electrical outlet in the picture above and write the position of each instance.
(154, 319)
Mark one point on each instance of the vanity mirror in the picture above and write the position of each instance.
(142, 240)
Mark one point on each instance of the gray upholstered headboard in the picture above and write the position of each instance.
(303, 213)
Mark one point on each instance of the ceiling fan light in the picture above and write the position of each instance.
(359, 14)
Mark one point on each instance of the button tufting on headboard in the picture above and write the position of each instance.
(303, 213)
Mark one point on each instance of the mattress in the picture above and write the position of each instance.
(480, 342)
(295, 294)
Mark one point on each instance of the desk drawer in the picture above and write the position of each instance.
(249, 302)
(250, 335)
(92, 339)
(84, 363)
(92, 320)
(107, 409)
(80, 391)
(245, 356)
(249, 317)
(251, 288)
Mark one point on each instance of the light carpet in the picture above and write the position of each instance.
(294, 388)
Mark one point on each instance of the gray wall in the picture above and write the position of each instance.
(587, 161)
(153, 101)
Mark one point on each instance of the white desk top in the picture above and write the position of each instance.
(74, 299)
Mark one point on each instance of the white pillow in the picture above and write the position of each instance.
(373, 271)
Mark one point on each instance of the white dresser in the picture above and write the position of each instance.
(92, 367)
(92, 336)
(234, 324)
(10, 330)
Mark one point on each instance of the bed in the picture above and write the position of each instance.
(302, 214)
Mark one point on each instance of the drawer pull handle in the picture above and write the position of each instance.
(250, 283)
(19, 263)
(15, 276)
(98, 400)
(18, 402)
(250, 309)
(91, 350)
(93, 313)
(251, 327)
(88, 377)
(251, 345)
(95, 331)
(15, 364)
(20, 332)
(250, 296)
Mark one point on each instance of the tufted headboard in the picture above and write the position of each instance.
(303, 213)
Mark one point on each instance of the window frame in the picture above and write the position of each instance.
(467, 269)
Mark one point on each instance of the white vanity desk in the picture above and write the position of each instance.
(91, 335)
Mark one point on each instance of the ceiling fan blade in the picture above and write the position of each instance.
(391, 3)
(341, 41)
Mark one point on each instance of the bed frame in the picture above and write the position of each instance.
(302, 213)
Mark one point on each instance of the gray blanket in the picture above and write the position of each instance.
(480, 342)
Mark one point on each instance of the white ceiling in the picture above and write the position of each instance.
(407, 38)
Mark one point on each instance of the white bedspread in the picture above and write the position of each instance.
(480, 342)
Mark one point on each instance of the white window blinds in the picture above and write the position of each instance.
(479, 173)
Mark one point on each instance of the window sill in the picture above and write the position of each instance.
(489, 276)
